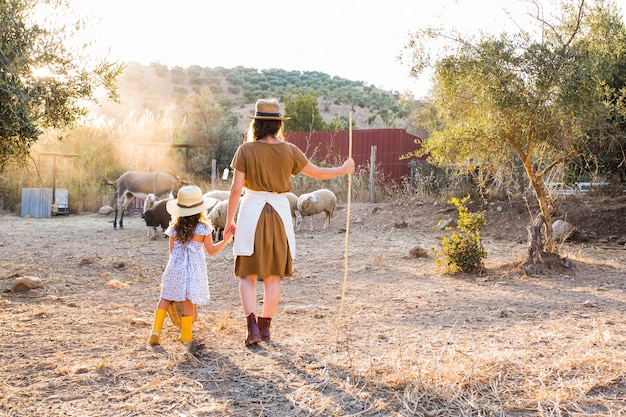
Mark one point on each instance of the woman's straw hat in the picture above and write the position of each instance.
(267, 109)
(189, 202)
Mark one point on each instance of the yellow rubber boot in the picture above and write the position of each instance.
(185, 328)
(155, 336)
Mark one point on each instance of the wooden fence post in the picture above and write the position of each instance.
(373, 174)
(213, 173)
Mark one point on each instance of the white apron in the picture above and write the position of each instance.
(252, 204)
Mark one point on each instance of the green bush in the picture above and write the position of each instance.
(463, 250)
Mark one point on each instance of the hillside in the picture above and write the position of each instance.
(158, 89)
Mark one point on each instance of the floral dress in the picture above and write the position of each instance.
(185, 276)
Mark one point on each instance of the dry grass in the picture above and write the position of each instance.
(411, 342)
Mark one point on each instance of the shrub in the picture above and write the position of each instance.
(463, 250)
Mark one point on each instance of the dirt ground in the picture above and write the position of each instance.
(388, 336)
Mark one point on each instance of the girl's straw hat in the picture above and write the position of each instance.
(267, 109)
(189, 202)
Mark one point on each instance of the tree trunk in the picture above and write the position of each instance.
(545, 205)
(535, 241)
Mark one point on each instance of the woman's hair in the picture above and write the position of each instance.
(186, 225)
(262, 128)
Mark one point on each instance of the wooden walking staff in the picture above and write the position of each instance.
(345, 274)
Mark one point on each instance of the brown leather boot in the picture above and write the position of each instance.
(264, 328)
(254, 335)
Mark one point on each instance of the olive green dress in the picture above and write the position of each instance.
(268, 167)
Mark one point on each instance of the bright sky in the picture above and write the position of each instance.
(357, 40)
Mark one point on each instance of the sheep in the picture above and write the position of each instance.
(218, 194)
(318, 201)
(155, 216)
(150, 200)
(293, 205)
(148, 203)
(217, 217)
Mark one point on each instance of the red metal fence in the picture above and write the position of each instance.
(331, 148)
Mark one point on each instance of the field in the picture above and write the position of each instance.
(399, 339)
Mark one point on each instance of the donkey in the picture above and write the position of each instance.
(139, 184)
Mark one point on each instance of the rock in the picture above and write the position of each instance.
(85, 261)
(580, 237)
(290, 309)
(116, 284)
(561, 230)
(418, 252)
(446, 223)
(119, 265)
(399, 223)
(26, 283)
(105, 210)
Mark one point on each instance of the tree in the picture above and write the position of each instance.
(30, 101)
(303, 109)
(507, 100)
(338, 123)
(209, 125)
(606, 155)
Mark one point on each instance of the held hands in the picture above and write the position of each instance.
(228, 234)
(229, 228)
(348, 166)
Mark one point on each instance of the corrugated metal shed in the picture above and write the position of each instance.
(331, 147)
(37, 202)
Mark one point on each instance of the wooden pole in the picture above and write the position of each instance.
(54, 182)
(345, 274)
(213, 173)
(373, 174)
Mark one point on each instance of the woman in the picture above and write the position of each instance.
(264, 244)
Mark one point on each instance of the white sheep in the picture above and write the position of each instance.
(217, 217)
(318, 201)
(218, 194)
(148, 203)
(293, 205)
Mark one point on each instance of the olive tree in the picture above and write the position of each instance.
(534, 100)
(206, 124)
(303, 110)
(44, 73)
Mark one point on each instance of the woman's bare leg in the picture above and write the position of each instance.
(271, 295)
(247, 292)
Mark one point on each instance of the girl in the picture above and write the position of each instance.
(185, 276)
